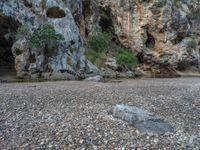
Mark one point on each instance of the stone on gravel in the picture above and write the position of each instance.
(97, 78)
(143, 120)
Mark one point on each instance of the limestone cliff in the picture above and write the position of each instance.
(163, 33)
(68, 59)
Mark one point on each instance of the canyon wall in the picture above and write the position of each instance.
(164, 34)
(69, 59)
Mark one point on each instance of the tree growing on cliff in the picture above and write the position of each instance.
(45, 36)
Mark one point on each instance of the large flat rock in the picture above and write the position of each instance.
(141, 119)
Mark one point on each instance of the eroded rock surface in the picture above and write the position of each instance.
(69, 58)
(160, 32)
(163, 34)
(141, 119)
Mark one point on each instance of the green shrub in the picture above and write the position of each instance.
(97, 58)
(99, 42)
(22, 31)
(97, 47)
(45, 36)
(195, 14)
(126, 58)
(191, 45)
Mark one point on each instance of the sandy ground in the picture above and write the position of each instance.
(74, 115)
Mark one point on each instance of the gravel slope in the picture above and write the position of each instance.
(74, 115)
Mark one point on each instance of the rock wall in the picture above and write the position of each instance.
(69, 58)
(164, 34)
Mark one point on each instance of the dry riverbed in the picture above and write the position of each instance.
(75, 115)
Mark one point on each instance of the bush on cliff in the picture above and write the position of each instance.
(22, 31)
(191, 45)
(97, 58)
(97, 48)
(99, 42)
(42, 37)
(45, 36)
(126, 59)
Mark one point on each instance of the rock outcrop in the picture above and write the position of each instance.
(141, 119)
(164, 33)
(69, 58)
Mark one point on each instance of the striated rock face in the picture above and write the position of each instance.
(69, 58)
(86, 15)
(164, 34)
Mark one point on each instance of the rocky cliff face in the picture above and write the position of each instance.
(68, 59)
(163, 33)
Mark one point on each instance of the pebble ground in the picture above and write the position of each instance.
(74, 115)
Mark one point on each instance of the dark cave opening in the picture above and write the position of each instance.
(179, 38)
(106, 22)
(87, 13)
(8, 28)
(55, 12)
(150, 42)
(107, 25)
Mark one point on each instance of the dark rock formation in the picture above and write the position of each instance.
(141, 119)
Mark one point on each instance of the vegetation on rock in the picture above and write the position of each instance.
(44, 36)
(22, 31)
(97, 58)
(126, 58)
(98, 46)
(99, 42)
(191, 45)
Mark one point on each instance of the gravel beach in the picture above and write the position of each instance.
(75, 115)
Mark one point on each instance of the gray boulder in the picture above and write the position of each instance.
(141, 119)
(97, 78)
